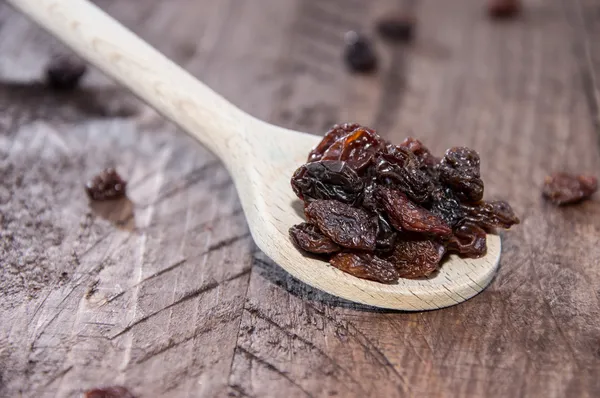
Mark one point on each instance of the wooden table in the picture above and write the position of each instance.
(166, 293)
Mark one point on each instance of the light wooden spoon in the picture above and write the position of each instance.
(260, 157)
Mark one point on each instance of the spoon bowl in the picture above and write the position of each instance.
(260, 157)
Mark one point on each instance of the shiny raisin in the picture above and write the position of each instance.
(405, 215)
(347, 226)
(489, 215)
(308, 237)
(459, 169)
(356, 148)
(365, 266)
(446, 206)
(565, 189)
(386, 236)
(327, 179)
(468, 240)
(336, 132)
(416, 258)
(423, 155)
(107, 185)
(359, 53)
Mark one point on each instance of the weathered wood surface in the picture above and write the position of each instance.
(166, 294)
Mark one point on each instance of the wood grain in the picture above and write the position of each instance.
(212, 316)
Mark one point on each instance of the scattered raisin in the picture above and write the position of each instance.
(365, 266)
(416, 258)
(397, 28)
(380, 211)
(64, 72)
(468, 240)
(404, 215)
(109, 392)
(565, 189)
(504, 9)
(345, 225)
(308, 237)
(359, 53)
(328, 179)
(107, 185)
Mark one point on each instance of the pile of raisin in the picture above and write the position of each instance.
(381, 211)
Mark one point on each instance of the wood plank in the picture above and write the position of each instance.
(165, 292)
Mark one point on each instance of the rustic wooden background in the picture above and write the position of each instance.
(165, 292)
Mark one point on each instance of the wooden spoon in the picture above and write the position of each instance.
(260, 157)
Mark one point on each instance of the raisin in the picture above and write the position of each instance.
(489, 215)
(416, 258)
(446, 206)
(386, 236)
(109, 392)
(356, 148)
(468, 240)
(504, 9)
(365, 266)
(359, 53)
(397, 28)
(328, 179)
(397, 167)
(404, 215)
(345, 225)
(564, 189)
(308, 237)
(336, 132)
(65, 72)
(107, 185)
(459, 169)
(426, 159)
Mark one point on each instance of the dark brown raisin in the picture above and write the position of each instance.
(565, 189)
(109, 392)
(416, 258)
(359, 53)
(336, 132)
(489, 215)
(504, 9)
(446, 206)
(328, 179)
(459, 169)
(107, 185)
(386, 236)
(426, 159)
(308, 237)
(347, 226)
(468, 240)
(365, 266)
(356, 148)
(64, 72)
(397, 28)
(397, 167)
(405, 215)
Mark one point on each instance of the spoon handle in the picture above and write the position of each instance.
(122, 55)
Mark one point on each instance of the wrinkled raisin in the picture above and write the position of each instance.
(109, 392)
(459, 169)
(416, 258)
(446, 206)
(468, 240)
(336, 132)
(564, 189)
(356, 148)
(426, 159)
(327, 179)
(365, 266)
(345, 225)
(404, 215)
(64, 72)
(489, 215)
(308, 237)
(107, 185)
(359, 53)
(386, 236)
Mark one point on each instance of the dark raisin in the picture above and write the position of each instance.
(308, 237)
(359, 53)
(347, 226)
(365, 266)
(356, 148)
(108, 392)
(404, 215)
(397, 28)
(416, 258)
(504, 9)
(386, 236)
(446, 206)
(423, 155)
(398, 168)
(64, 72)
(336, 132)
(459, 169)
(564, 189)
(468, 240)
(107, 185)
(489, 215)
(328, 179)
